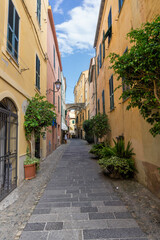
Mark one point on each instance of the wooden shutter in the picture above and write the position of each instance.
(103, 102)
(13, 31)
(37, 72)
(98, 105)
(100, 56)
(103, 44)
(110, 25)
(111, 89)
(39, 11)
(98, 64)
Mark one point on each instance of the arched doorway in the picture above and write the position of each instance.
(8, 147)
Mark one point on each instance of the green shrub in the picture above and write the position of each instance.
(118, 150)
(118, 167)
(89, 138)
(97, 149)
(88, 128)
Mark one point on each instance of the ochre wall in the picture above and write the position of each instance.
(129, 123)
(17, 81)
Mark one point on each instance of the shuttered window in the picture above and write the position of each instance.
(111, 93)
(110, 25)
(13, 31)
(103, 101)
(39, 11)
(37, 72)
(103, 44)
(98, 64)
(120, 4)
(98, 105)
(100, 55)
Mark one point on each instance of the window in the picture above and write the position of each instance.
(98, 106)
(72, 121)
(111, 93)
(59, 104)
(110, 25)
(37, 72)
(103, 102)
(39, 11)
(13, 31)
(120, 4)
(98, 64)
(100, 56)
(103, 44)
(88, 114)
(54, 58)
(77, 119)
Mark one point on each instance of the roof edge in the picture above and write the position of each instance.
(99, 22)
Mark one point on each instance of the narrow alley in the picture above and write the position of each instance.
(79, 203)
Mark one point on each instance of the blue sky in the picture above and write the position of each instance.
(75, 22)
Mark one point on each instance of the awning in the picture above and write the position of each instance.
(64, 127)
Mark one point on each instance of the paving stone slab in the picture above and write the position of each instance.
(122, 215)
(81, 204)
(42, 211)
(101, 216)
(52, 205)
(113, 233)
(72, 216)
(43, 218)
(34, 227)
(88, 209)
(113, 203)
(34, 236)
(65, 210)
(65, 235)
(86, 224)
(54, 226)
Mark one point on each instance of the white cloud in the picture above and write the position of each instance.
(57, 8)
(79, 31)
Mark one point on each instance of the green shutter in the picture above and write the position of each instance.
(103, 44)
(103, 102)
(37, 72)
(13, 31)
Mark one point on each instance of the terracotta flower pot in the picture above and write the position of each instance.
(30, 171)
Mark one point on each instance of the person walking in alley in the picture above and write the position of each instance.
(65, 138)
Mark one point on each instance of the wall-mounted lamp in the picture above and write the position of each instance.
(57, 84)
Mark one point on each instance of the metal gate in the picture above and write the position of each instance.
(8, 147)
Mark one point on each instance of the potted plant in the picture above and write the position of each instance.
(30, 166)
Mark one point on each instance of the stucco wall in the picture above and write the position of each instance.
(129, 123)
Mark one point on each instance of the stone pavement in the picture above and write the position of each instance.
(16, 209)
(79, 204)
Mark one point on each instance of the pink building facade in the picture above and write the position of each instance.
(54, 69)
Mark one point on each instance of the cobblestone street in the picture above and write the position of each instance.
(78, 202)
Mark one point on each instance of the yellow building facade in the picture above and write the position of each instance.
(23, 72)
(81, 95)
(116, 18)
